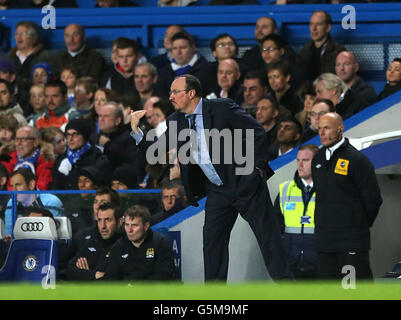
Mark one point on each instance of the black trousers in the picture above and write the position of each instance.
(221, 211)
(330, 265)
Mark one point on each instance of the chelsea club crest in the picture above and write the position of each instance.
(30, 263)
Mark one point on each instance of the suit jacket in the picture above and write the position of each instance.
(220, 114)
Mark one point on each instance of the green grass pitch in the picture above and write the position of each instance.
(173, 291)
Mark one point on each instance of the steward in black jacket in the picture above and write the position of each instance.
(347, 199)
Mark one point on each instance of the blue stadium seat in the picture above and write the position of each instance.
(32, 256)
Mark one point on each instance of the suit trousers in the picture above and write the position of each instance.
(221, 211)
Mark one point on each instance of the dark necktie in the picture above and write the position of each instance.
(192, 123)
(307, 190)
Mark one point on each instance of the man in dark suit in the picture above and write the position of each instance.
(230, 186)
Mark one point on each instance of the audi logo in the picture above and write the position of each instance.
(32, 226)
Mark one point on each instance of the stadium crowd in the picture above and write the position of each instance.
(65, 125)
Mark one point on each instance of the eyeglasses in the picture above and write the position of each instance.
(23, 34)
(224, 44)
(72, 134)
(175, 92)
(24, 139)
(173, 197)
(315, 114)
(269, 49)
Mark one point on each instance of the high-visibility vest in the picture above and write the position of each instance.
(296, 218)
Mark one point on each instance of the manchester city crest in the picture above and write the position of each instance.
(30, 263)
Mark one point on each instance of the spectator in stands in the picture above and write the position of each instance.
(320, 48)
(8, 129)
(21, 94)
(319, 108)
(159, 61)
(295, 208)
(173, 199)
(129, 102)
(186, 60)
(150, 120)
(113, 138)
(127, 177)
(56, 138)
(7, 71)
(80, 153)
(176, 3)
(69, 75)
(330, 86)
(254, 88)
(101, 96)
(347, 68)
(223, 47)
(85, 89)
(78, 207)
(30, 152)
(8, 104)
(308, 96)
(115, 3)
(266, 114)
(90, 62)
(141, 254)
(393, 77)
(3, 187)
(28, 52)
(57, 106)
(89, 178)
(121, 78)
(89, 263)
(279, 77)
(252, 58)
(24, 179)
(145, 77)
(37, 101)
(273, 50)
(41, 73)
(228, 81)
(161, 110)
(289, 131)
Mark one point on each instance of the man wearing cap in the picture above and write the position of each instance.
(79, 153)
(21, 93)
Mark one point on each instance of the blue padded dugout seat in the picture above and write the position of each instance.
(32, 256)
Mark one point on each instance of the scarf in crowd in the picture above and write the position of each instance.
(72, 157)
(27, 162)
(179, 70)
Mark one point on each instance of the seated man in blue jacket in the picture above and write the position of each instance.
(23, 179)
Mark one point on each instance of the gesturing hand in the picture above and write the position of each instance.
(136, 116)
